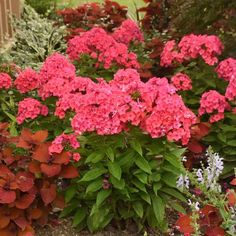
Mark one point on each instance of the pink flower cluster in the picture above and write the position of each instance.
(60, 141)
(227, 70)
(181, 82)
(128, 32)
(30, 108)
(5, 81)
(55, 73)
(27, 80)
(108, 107)
(190, 47)
(213, 102)
(103, 47)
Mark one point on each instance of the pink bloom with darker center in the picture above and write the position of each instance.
(30, 108)
(227, 69)
(128, 32)
(181, 82)
(60, 141)
(5, 81)
(213, 102)
(27, 80)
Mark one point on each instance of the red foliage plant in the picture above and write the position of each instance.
(108, 16)
(28, 180)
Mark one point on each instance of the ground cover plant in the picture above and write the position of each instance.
(100, 125)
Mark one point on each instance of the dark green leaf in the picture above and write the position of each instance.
(93, 174)
(174, 193)
(114, 169)
(143, 164)
(136, 146)
(158, 208)
(94, 157)
(79, 216)
(102, 196)
(70, 193)
(178, 207)
(94, 186)
(110, 153)
(138, 208)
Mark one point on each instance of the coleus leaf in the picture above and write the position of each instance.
(215, 231)
(4, 221)
(34, 213)
(50, 170)
(48, 193)
(7, 197)
(195, 147)
(69, 172)
(25, 201)
(25, 181)
(183, 224)
(21, 222)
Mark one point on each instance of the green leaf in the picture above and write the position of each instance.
(158, 208)
(232, 143)
(13, 118)
(114, 169)
(138, 208)
(169, 179)
(102, 196)
(70, 193)
(93, 174)
(145, 197)
(139, 185)
(143, 164)
(110, 153)
(94, 186)
(118, 184)
(171, 168)
(136, 146)
(222, 137)
(173, 160)
(143, 177)
(13, 130)
(79, 216)
(66, 211)
(177, 207)
(156, 187)
(94, 157)
(174, 193)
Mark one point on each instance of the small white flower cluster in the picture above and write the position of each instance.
(208, 176)
(214, 169)
(194, 205)
(183, 182)
(232, 229)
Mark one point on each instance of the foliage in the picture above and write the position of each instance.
(122, 177)
(109, 15)
(212, 212)
(41, 6)
(35, 39)
(29, 182)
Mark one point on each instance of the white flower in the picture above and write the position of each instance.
(199, 174)
(183, 182)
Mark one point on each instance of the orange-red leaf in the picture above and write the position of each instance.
(29, 231)
(4, 221)
(48, 194)
(34, 167)
(35, 213)
(195, 147)
(69, 172)
(183, 224)
(41, 153)
(62, 158)
(233, 182)
(21, 222)
(50, 170)
(59, 202)
(216, 231)
(25, 181)
(7, 197)
(25, 201)
(231, 195)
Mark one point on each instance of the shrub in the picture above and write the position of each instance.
(29, 180)
(35, 39)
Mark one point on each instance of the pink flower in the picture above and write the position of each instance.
(5, 81)
(76, 157)
(98, 44)
(128, 32)
(190, 47)
(60, 141)
(27, 80)
(213, 102)
(231, 89)
(30, 108)
(227, 69)
(181, 82)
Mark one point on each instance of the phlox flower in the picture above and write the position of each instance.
(181, 82)
(227, 69)
(60, 141)
(5, 81)
(27, 80)
(128, 32)
(213, 102)
(30, 108)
